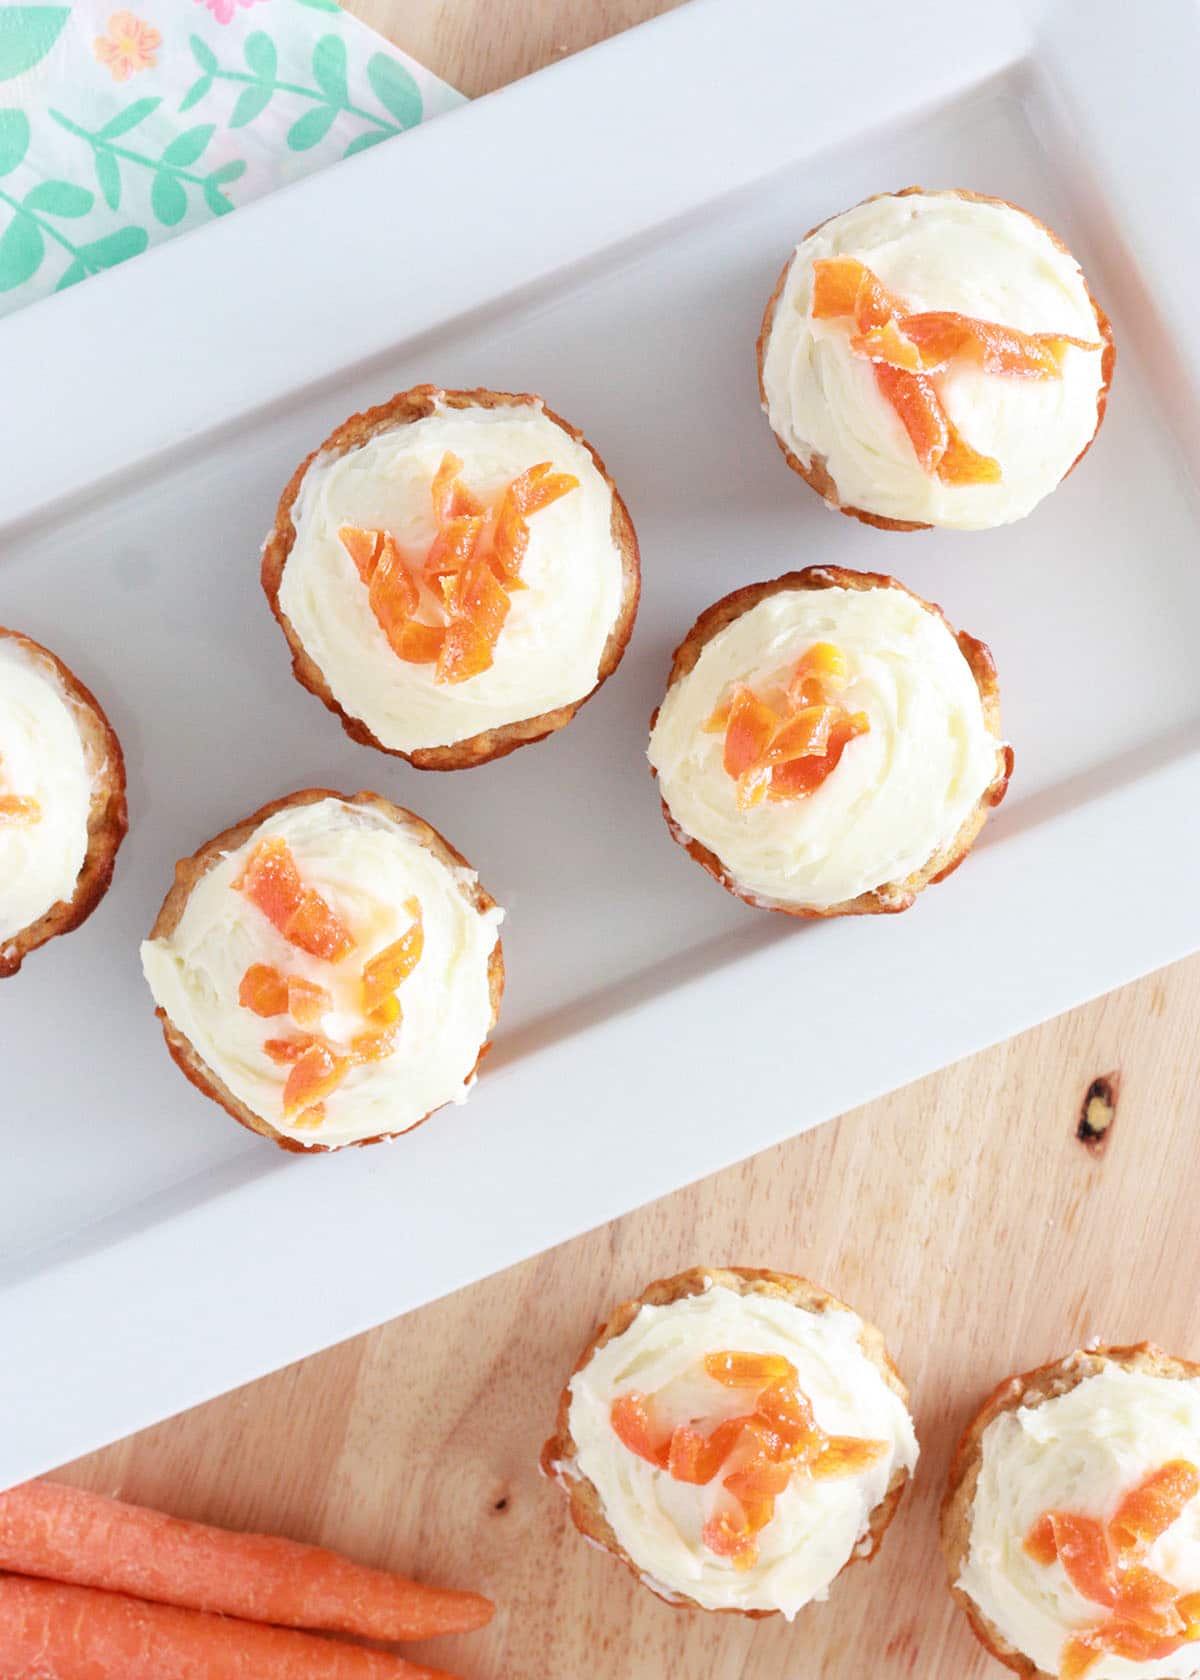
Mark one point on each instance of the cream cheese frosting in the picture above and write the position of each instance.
(901, 791)
(1080, 1452)
(550, 649)
(366, 865)
(936, 251)
(817, 1526)
(43, 758)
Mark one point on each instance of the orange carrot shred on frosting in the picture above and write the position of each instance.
(389, 968)
(630, 1418)
(785, 749)
(450, 496)
(1149, 1618)
(961, 464)
(464, 580)
(263, 990)
(267, 992)
(940, 337)
(17, 808)
(316, 1072)
(316, 1067)
(889, 344)
(835, 284)
(480, 607)
(761, 1450)
(748, 733)
(746, 1370)
(537, 487)
(804, 735)
(307, 1001)
(695, 1457)
(272, 881)
(392, 592)
(919, 408)
(454, 546)
(1040, 1543)
(845, 1455)
(908, 347)
(363, 547)
(311, 1118)
(1150, 1508)
(375, 1045)
(385, 1012)
(286, 1050)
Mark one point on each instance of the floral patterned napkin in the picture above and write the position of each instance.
(119, 128)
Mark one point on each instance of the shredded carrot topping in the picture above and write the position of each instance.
(1149, 1618)
(786, 750)
(388, 970)
(316, 1072)
(263, 991)
(15, 808)
(908, 348)
(273, 882)
(760, 1450)
(463, 583)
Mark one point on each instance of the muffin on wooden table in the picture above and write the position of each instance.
(62, 799)
(933, 358)
(1071, 1523)
(828, 745)
(736, 1437)
(329, 970)
(455, 573)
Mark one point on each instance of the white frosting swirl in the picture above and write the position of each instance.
(900, 793)
(817, 1525)
(550, 649)
(1080, 1452)
(936, 251)
(366, 866)
(42, 757)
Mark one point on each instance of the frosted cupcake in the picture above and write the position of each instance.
(329, 970)
(1071, 1524)
(737, 1438)
(62, 799)
(934, 358)
(455, 573)
(828, 745)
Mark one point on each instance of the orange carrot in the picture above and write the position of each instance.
(49, 1631)
(65, 1534)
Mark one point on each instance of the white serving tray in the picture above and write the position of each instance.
(604, 233)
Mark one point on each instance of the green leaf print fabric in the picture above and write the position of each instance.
(120, 127)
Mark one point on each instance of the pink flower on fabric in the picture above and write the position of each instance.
(129, 46)
(225, 10)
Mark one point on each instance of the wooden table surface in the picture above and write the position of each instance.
(962, 1214)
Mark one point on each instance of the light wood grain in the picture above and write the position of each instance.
(962, 1215)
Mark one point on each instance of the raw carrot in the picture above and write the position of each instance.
(65, 1534)
(49, 1631)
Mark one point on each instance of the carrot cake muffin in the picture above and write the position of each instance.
(455, 573)
(933, 358)
(735, 1437)
(62, 799)
(1071, 1524)
(329, 970)
(828, 745)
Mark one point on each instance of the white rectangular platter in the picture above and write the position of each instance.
(604, 233)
